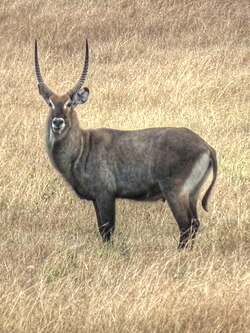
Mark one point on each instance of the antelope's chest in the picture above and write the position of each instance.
(81, 183)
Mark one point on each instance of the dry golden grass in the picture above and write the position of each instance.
(153, 63)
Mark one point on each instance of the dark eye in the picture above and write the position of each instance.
(50, 104)
(69, 105)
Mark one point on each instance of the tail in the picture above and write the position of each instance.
(204, 201)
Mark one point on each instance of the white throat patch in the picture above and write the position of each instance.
(51, 137)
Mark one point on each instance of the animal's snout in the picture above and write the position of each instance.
(58, 124)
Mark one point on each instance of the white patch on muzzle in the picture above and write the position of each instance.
(55, 127)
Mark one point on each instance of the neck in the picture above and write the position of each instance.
(65, 150)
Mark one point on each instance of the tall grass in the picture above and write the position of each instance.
(153, 63)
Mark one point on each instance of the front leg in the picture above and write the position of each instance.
(105, 213)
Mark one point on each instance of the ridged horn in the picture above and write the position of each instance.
(39, 75)
(80, 82)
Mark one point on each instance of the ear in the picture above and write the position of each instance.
(80, 97)
(44, 93)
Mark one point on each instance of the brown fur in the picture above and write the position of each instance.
(104, 164)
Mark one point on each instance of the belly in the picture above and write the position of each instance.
(151, 193)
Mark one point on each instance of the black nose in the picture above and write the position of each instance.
(57, 122)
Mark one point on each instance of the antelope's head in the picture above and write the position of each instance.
(62, 107)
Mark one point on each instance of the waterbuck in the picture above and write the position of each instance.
(103, 164)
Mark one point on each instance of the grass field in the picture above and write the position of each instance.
(153, 63)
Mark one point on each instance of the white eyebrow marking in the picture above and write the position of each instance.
(65, 104)
(53, 105)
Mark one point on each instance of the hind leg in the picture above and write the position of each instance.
(193, 198)
(186, 216)
(195, 219)
(193, 207)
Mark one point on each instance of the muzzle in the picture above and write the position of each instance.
(58, 124)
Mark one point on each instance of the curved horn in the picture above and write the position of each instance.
(39, 75)
(84, 73)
